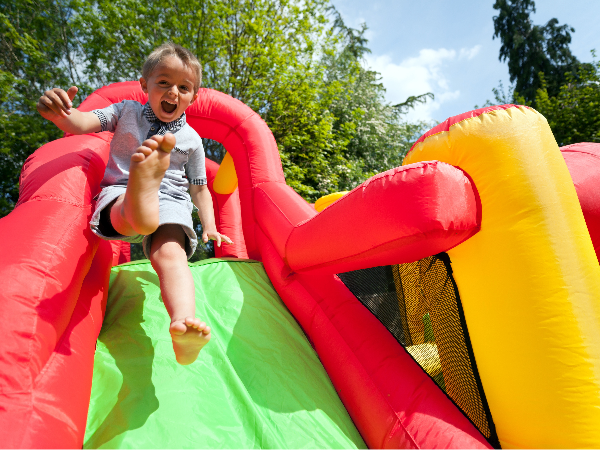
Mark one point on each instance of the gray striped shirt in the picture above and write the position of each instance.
(132, 123)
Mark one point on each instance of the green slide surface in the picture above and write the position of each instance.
(257, 384)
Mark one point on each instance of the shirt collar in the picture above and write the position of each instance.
(171, 127)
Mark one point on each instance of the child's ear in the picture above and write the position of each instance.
(194, 98)
(144, 85)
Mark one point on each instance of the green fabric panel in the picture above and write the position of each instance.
(257, 384)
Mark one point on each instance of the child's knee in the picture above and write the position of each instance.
(168, 247)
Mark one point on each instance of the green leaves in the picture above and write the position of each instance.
(574, 113)
(294, 62)
(36, 53)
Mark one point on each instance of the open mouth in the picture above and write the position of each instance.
(168, 107)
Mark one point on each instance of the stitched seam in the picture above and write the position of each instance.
(33, 381)
(276, 206)
(461, 121)
(318, 304)
(56, 199)
(427, 233)
(361, 187)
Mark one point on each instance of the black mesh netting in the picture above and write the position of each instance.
(419, 304)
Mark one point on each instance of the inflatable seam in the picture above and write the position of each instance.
(360, 362)
(366, 183)
(423, 139)
(43, 287)
(81, 205)
(372, 249)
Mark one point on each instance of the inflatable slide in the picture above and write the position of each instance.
(464, 312)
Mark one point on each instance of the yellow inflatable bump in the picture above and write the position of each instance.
(226, 179)
(529, 281)
(327, 200)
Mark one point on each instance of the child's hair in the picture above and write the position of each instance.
(170, 49)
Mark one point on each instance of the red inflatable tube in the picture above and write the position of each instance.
(406, 214)
(46, 254)
(583, 161)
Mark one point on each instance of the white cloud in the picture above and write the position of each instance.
(418, 75)
(469, 53)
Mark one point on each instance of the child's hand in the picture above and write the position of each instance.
(214, 235)
(56, 103)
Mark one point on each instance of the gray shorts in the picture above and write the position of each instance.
(171, 210)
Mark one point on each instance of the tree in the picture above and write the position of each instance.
(574, 113)
(533, 49)
(36, 53)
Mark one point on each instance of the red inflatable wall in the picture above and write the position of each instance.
(55, 274)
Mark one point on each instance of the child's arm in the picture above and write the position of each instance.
(203, 201)
(55, 105)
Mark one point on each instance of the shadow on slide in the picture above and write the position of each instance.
(258, 384)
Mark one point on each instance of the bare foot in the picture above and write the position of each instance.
(189, 336)
(146, 171)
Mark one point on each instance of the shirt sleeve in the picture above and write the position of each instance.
(109, 116)
(196, 166)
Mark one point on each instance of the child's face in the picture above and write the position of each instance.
(170, 89)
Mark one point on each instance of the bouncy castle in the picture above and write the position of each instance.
(452, 302)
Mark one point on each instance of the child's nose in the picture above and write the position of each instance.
(173, 90)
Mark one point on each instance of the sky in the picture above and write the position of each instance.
(448, 48)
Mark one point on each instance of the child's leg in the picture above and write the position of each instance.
(168, 257)
(136, 211)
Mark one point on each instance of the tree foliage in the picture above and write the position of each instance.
(36, 53)
(533, 49)
(574, 113)
(294, 62)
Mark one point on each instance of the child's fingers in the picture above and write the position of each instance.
(66, 101)
(205, 237)
(71, 93)
(57, 103)
(48, 105)
(218, 239)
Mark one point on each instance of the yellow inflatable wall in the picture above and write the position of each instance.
(529, 281)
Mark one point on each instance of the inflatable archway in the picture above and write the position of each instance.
(56, 284)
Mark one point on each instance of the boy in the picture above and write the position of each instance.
(144, 191)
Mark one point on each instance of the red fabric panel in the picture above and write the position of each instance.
(446, 124)
(56, 422)
(369, 411)
(46, 253)
(423, 411)
(249, 141)
(228, 217)
(121, 252)
(583, 161)
(278, 210)
(389, 397)
(398, 216)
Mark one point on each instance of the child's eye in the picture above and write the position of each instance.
(184, 88)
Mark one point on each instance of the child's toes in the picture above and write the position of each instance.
(194, 322)
(177, 328)
(206, 331)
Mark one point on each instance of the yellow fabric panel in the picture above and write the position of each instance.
(327, 200)
(226, 178)
(529, 281)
